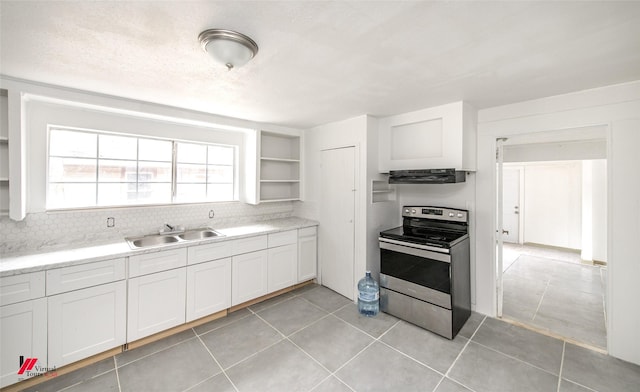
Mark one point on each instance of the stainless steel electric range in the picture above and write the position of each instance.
(424, 269)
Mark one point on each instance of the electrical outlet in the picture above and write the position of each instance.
(111, 222)
(211, 214)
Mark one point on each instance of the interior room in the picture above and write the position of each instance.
(319, 196)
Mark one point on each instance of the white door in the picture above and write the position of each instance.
(282, 267)
(337, 220)
(156, 302)
(249, 276)
(23, 328)
(86, 322)
(307, 254)
(208, 288)
(511, 204)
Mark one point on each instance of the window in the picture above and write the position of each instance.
(90, 168)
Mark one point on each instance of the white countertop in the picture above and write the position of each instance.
(44, 260)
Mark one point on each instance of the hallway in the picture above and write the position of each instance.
(552, 291)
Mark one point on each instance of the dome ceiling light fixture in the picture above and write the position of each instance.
(228, 47)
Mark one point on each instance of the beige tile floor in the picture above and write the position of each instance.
(315, 340)
(553, 291)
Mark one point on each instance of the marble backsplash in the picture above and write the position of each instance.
(52, 230)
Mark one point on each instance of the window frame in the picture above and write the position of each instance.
(173, 175)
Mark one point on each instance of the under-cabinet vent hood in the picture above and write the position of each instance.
(426, 176)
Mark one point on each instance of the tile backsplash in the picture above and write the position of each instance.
(67, 228)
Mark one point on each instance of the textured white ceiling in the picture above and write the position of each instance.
(324, 61)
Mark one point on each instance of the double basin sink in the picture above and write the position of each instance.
(155, 240)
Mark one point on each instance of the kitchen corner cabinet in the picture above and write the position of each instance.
(442, 137)
(273, 167)
(307, 253)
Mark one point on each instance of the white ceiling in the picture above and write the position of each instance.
(324, 61)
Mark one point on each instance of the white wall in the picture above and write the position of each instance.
(33, 105)
(347, 133)
(618, 108)
(553, 204)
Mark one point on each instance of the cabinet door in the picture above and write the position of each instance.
(156, 303)
(283, 269)
(86, 322)
(23, 332)
(249, 276)
(307, 257)
(208, 288)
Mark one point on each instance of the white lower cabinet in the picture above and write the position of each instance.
(282, 268)
(307, 253)
(249, 276)
(156, 302)
(86, 322)
(208, 288)
(23, 331)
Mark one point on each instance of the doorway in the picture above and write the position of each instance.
(546, 206)
(337, 215)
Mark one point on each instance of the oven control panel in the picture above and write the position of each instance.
(437, 213)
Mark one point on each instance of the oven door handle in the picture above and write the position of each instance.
(417, 250)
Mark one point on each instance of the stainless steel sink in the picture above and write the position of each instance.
(199, 234)
(156, 240)
(151, 240)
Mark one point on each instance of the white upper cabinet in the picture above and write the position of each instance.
(441, 137)
(273, 167)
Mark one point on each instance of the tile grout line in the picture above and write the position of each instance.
(115, 365)
(464, 348)
(541, 298)
(515, 358)
(564, 345)
(217, 363)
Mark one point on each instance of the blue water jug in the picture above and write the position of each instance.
(368, 296)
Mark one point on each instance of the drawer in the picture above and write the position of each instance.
(283, 238)
(208, 252)
(308, 231)
(76, 277)
(251, 244)
(23, 287)
(156, 262)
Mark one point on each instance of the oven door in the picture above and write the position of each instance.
(413, 270)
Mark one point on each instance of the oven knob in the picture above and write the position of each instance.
(459, 215)
(413, 211)
(451, 214)
(406, 210)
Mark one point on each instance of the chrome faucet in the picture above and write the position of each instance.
(169, 229)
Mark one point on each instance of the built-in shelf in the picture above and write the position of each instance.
(279, 159)
(279, 167)
(4, 154)
(381, 191)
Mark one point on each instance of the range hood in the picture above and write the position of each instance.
(426, 176)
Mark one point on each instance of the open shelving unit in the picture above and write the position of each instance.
(279, 167)
(381, 191)
(4, 154)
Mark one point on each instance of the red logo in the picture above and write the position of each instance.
(27, 365)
